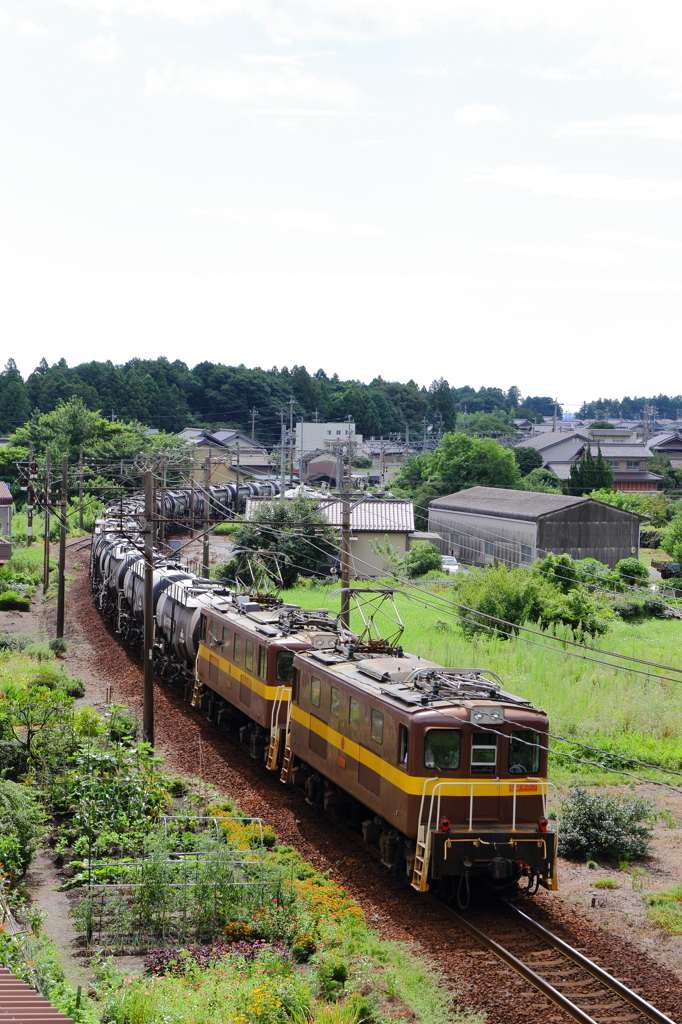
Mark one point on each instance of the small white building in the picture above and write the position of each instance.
(6, 510)
(311, 436)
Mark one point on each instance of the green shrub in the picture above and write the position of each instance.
(13, 759)
(40, 650)
(649, 538)
(21, 816)
(577, 609)
(122, 727)
(508, 594)
(606, 883)
(87, 722)
(58, 646)
(594, 825)
(628, 609)
(47, 675)
(421, 558)
(632, 572)
(12, 601)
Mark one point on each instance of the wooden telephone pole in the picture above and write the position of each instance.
(62, 547)
(46, 558)
(207, 516)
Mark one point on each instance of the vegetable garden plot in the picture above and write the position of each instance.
(195, 883)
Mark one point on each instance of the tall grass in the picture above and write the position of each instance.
(600, 705)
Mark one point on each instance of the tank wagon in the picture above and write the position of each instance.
(440, 769)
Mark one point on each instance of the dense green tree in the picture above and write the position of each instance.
(442, 408)
(590, 474)
(293, 534)
(14, 400)
(527, 459)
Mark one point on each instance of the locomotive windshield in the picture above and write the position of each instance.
(524, 759)
(442, 748)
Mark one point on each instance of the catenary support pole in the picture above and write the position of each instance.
(46, 558)
(207, 516)
(80, 488)
(345, 549)
(62, 547)
(282, 460)
(148, 644)
(30, 495)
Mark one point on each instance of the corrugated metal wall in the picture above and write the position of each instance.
(590, 531)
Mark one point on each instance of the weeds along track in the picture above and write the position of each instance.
(566, 978)
(194, 747)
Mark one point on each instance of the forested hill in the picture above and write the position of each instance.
(170, 396)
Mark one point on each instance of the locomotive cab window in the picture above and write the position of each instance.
(403, 737)
(263, 662)
(483, 753)
(226, 636)
(442, 749)
(285, 666)
(377, 726)
(315, 691)
(202, 628)
(335, 701)
(524, 759)
(237, 647)
(354, 712)
(248, 656)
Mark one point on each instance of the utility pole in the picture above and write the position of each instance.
(80, 488)
(407, 442)
(148, 645)
(161, 533)
(62, 547)
(46, 559)
(282, 459)
(254, 413)
(345, 543)
(291, 442)
(554, 419)
(207, 516)
(424, 424)
(30, 498)
(237, 503)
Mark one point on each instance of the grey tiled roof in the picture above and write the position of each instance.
(5, 494)
(497, 501)
(622, 451)
(548, 439)
(388, 515)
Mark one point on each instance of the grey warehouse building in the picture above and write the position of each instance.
(482, 524)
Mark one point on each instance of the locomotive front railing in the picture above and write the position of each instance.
(441, 785)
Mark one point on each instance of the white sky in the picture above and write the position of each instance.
(488, 190)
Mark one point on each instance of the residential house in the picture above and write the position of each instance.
(372, 520)
(629, 463)
(669, 445)
(6, 510)
(232, 454)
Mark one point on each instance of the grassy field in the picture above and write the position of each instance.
(617, 710)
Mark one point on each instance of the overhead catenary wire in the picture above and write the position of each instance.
(673, 683)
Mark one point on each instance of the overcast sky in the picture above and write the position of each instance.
(488, 190)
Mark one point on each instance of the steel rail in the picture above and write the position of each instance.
(527, 973)
(536, 980)
(588, 965)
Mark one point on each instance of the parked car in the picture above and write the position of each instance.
(450, 563)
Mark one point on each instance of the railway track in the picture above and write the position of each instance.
(570, 981)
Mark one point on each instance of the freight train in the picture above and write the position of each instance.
(441, 771)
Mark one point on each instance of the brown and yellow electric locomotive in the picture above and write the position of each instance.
(448, 770)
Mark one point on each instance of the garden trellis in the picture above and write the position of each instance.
(191, 885)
